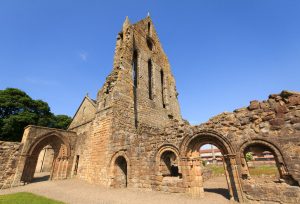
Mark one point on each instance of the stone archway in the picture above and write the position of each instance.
(167, 161)
(263, 145)
(60, 164)
(119, 170)
(192, 164)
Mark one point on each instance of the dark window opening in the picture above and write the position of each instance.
(134, 69)
(169, 166)
(162, 88)
(121, 176)
(149, 44)
(150, 79)
(76, 165)
(149, 28)
(135, 84)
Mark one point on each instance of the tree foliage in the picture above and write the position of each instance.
(17, 110)
(249, 156)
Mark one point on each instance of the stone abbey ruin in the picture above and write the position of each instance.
(133, 134)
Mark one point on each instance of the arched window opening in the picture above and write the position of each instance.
(162, 88)
(262, 164)
(120, 38)
(149, 43)
(44, 164)
(169, 164)
(150, 83)
(120, 172)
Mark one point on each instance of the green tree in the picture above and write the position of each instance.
(62, 121)
(17, 110)
(249, 156)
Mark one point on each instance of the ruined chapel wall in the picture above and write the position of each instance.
(9, 157)
(98, 148)
(273, 123)
(82, 150)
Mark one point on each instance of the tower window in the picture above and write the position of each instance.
(135, 84)
(149, 28)
(162, 88)
(150, 79)
(149, 43)
(134, 69)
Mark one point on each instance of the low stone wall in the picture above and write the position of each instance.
(9, 156)
(271, 193)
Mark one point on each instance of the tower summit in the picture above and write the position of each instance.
(141, 79)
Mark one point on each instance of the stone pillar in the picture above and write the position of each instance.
(192, 169)
(232, 176)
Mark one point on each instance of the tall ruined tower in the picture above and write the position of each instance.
(141, 87)
(138, 98)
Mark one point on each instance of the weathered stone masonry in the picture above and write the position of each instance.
(133, 135)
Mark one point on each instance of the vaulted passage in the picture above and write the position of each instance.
(44, 164)
(47, 159)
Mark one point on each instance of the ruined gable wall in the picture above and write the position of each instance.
(82, 124)
(9, 157)
(84, 114)
(149, 109)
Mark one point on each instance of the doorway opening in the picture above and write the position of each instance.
(192, 146)
(213, 171)
(44, 164)
(120, 172)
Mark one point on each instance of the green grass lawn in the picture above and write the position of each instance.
(257, 171)
(217, 170)
(26, 198)
(267, 170)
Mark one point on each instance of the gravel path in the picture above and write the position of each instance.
(78, 192)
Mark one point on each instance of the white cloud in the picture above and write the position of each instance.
(83, 55)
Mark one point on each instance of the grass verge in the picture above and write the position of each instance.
(26, 198)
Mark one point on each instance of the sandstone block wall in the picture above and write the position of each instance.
(9, 157)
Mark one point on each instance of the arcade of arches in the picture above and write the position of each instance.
(133, 134)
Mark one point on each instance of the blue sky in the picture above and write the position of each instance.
(223, 53)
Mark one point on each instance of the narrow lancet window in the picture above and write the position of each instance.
(134, 69)
(150, 79)
(149, 28)
(135, 84)
(162, 88)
